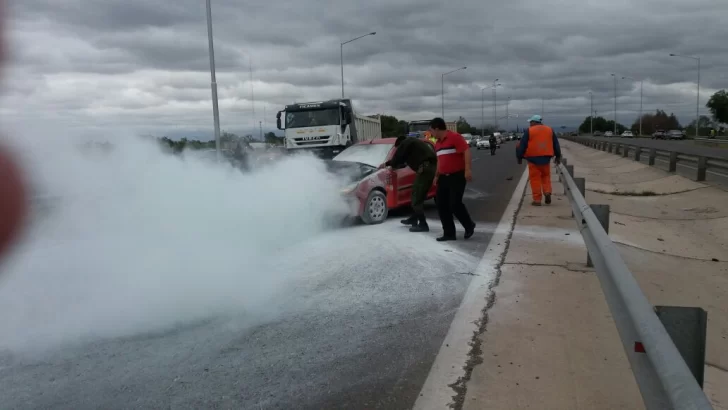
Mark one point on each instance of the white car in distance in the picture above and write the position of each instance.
(483, 143)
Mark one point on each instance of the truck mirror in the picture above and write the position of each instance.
(278, 120)
(347, 117)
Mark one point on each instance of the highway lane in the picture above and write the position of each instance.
(685, 146)
(358, 332)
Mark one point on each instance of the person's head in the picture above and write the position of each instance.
(399, 140)
(438, 128)
(535, 120)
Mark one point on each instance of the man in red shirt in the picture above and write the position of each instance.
(453, 172)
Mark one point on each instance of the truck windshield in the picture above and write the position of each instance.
(419, 127)
(314, 118)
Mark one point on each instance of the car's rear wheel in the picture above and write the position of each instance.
(375, 209)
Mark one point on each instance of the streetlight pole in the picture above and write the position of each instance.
(341, 49)
(482, 111)
(615, 103)
(495, 104)
(442, 86)
(641, 83)
(697, 104)
(508, 102)
(542, 99)
(591, 113)
(213, 81)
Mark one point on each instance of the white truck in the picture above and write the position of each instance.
(326, 127)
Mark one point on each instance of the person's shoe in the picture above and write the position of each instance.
(548, 199)
(412, 220)
(445, 238)
(470, 232)
(536, 203)
(420, 228)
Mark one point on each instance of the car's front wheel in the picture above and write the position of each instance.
(375, 209)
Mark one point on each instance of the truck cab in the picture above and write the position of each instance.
(325, 127)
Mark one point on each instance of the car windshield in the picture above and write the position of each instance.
(314, 118)
(370, 154)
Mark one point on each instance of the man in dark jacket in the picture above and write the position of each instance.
(420, 156)
(493, 142)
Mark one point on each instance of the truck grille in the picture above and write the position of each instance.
(305, 141)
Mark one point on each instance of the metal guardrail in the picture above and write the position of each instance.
(664, 379)
(701, 163)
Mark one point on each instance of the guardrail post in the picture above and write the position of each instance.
(688, 328)
(625, 151)
(702, 168)
(565, 162)
(602, 214)
(673, 162)
(653, 155)
(610, 147)
(637, 153)
(570, 170)
(581, 186)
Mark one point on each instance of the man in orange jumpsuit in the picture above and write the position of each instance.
(538, 145)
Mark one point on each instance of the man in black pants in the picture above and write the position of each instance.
(453, 172)
(493, 142)
(419, 156)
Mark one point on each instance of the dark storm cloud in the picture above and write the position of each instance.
(131, 54)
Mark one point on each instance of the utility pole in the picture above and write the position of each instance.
(213, 81)
(495, 104)
(260, 124)
(542, 107)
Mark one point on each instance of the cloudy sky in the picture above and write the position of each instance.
(143, 65)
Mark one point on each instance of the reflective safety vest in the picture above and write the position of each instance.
(540, 141)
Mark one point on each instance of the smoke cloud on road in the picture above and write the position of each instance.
(136, 240)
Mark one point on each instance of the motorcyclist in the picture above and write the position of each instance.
(493, 142)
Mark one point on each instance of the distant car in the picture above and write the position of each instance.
(627, 134)
(608, 134)
(483, 144)
(675, 135)
(659, 135)
(469, 139)
(372, 192)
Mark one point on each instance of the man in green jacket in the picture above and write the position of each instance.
(420, 156)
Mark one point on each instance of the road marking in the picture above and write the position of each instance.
(450, 362)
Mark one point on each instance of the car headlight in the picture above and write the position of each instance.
(349, 189)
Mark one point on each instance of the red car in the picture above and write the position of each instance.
(373, 192)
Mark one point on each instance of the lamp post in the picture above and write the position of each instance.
(341, 49)
(508, 102)
(591, 113)
(615, 103)
(542, 104)
(495, 104)
(482, 111)
(697, 104)
(641, 83)
(213, 82)
(442, 86)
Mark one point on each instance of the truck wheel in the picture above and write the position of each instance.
(375, 210)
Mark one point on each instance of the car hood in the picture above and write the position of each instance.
(350, 172)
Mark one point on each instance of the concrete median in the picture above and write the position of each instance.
(550, 341)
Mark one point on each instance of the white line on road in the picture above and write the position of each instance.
(451, 361)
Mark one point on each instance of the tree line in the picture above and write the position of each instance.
(660, 120)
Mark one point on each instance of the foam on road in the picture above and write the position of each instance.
(159, 282)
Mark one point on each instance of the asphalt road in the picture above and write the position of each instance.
(359, 332)
(685, 146)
